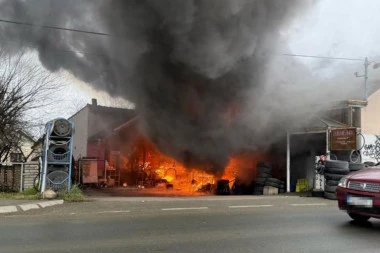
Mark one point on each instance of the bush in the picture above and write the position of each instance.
(30, 192)
(74, 195)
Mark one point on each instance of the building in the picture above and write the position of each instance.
(23, 150)
(92, 123)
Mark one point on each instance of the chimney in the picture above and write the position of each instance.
(94, 102)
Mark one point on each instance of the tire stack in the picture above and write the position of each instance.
(263, 173)
(334, 171)
(356, 166)
(277, 183)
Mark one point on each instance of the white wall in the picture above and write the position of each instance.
(370, 117)
(80, 120)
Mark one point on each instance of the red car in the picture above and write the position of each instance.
(358, 193)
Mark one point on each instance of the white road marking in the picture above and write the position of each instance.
(184, 208)
(312, 204)
(249, 206)
(125, 211)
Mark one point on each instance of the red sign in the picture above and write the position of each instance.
(343, 139)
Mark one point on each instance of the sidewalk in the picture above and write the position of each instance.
(13, 205)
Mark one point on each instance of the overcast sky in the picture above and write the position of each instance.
(339, 28)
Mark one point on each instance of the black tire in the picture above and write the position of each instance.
(336, 164)
(332, 182)
(356, 166)
(330, 195)
(260, 180)
(341, 171)
(330, 188)
(263, 165)
(272, 184)
(274, 180)
(261, 170)
(264, 175)
(358, 217)
(336, 177)
(355, 156)
(370, 164)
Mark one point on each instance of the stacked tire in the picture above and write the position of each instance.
(334, 171)
(356, 166)
(277, 183)
(263, 173)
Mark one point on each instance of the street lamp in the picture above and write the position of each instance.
(366, 64)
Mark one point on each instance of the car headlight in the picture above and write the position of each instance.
(343, 182)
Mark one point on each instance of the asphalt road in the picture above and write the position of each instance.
(206, 224)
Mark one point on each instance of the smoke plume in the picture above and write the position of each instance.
(195, 69)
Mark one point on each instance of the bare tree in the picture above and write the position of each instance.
(25, 86)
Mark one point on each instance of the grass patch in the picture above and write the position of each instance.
(28, 194)
(74, 195)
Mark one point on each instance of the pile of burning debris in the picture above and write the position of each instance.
(238, 186)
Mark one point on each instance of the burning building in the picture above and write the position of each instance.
(125, 155)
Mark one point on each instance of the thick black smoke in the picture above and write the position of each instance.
(195, 69)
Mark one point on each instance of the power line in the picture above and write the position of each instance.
(324, 57)
(53, 27)
(51, 48)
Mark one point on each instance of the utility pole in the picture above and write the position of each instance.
(366, 64)
(365, 76)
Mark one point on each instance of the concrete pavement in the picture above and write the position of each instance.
(13, 206)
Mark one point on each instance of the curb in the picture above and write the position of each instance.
(27, 207)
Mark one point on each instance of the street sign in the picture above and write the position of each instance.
(343, 139)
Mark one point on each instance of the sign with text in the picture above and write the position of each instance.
(343, 139)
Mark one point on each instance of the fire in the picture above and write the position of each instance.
(150, 168)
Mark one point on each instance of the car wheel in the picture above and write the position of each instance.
(358, 217)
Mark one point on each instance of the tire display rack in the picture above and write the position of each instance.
(57, 155)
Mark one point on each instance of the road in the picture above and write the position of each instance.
(203, 224)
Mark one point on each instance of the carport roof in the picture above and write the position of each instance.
(320, 124)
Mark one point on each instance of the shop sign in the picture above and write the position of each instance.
(343, 139)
